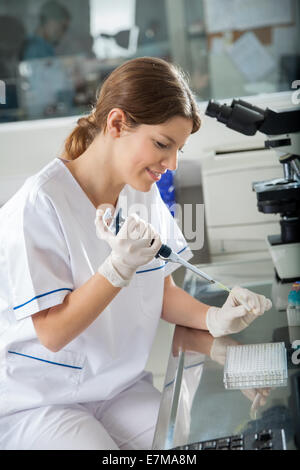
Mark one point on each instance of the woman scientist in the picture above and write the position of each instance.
(79, 306)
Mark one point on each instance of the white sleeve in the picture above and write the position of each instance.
(171, 235)
(38, 264)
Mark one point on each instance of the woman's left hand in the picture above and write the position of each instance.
(233, 316)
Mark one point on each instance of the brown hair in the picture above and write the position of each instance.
(148, 90)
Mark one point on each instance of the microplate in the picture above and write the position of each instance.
(255, 365)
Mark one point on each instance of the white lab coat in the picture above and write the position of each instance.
(48, 248)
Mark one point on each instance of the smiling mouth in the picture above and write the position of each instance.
(155, 175)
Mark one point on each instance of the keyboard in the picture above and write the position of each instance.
(266, 439)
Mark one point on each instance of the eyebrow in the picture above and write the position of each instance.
(169, 138)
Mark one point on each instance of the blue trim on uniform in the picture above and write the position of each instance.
(42, 295)
(159, 267)
(44, 360)
(152, 269)
(180, 251)
(71, 290)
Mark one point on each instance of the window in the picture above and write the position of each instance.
(54, 54)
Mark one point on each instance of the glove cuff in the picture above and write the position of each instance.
(108, 270)
(212, 322)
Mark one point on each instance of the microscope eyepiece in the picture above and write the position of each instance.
(213, 109)
(240, 116)
(220, 111)
(247, 119)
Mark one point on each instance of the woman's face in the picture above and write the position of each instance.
(148, 151)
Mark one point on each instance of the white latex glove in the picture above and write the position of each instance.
(233, 317)
(130, 248)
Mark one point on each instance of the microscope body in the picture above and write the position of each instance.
(280, 195)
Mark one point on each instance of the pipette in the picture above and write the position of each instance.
(167, 254)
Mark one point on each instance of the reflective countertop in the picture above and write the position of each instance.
(195, 405)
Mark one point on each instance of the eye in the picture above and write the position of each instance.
(160, 145)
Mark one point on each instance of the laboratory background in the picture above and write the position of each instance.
(239, 175)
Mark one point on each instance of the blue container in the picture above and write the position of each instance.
(167, 190)
(294, 295)
(293, 308)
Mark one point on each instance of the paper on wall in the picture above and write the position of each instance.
(226, 15)
(258, 13)
(250, 57)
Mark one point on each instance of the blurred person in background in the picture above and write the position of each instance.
(54, 20)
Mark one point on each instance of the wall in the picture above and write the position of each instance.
(25, 147)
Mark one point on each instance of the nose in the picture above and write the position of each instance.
(170, 163)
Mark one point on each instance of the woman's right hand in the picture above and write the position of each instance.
(135, 245)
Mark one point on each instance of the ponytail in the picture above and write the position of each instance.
(81, 137)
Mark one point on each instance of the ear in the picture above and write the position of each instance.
(116, 121)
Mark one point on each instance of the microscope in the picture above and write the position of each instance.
(275, 196)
